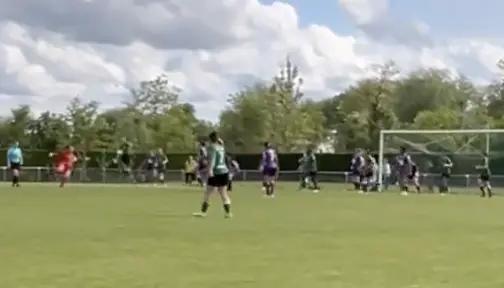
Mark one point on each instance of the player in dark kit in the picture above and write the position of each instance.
(369, 174)
(356, 169)
(404, 170)
(446, 169)
(484, 181)
(124, 159)
(414, 177)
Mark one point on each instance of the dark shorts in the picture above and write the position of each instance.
(15, 166)
(270, 171)
(485, 177)
(445, 175)
(125, 159)
(220, 180)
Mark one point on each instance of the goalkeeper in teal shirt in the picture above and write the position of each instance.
(14, 162)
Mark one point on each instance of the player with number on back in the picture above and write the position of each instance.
(484, 181)
(269, 167)
(14, 162)
(65, 161)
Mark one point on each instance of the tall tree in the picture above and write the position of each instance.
(154, 97)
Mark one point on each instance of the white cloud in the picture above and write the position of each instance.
(58, 49)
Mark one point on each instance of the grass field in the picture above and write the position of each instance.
(95, 237)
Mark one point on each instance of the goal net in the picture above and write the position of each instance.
(430, 148)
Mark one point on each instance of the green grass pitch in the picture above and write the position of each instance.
(96, 237)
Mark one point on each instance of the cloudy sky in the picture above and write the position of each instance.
(54, 50)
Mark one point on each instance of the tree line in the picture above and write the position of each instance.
(277, 111)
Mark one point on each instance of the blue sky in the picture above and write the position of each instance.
(47, 56)
(446, 18)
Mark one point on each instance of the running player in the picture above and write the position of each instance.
(202, 163)
(218, 179)
(446, 168)
(310, 171)
(404, 169)
(269, 168)
(484, 181)
(14, 162)
(356, 169)
(65, 161)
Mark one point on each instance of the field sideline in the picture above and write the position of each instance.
(118, 236)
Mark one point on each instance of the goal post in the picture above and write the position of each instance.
(466, 142)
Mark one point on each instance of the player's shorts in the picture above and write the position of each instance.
(64, 168)
(125, 159)
(270, 171)
(484, 178)
(15, 166)
(219, 180)
(445, 175)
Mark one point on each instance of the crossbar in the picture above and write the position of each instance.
(469, 131)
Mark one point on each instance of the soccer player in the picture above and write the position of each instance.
(234, 169)
(124, 156)
(310, 171)
(190, 170)
(161, 163)
(369, 173)
(65, 161)
(218, 176)
(414, 177)
(447, 166)
(202, 164)
(484, 181)
(356, 168)
(149, 166)
(387, 175)
(269, 168)
(404, 170)
(14, 162)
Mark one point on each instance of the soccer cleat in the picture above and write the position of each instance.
(228, 215)
(199, 215)
(361, 192)
(316, 191)
(404, 193)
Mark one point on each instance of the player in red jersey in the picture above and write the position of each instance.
(65, 161)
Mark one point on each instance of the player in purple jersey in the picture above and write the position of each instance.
(269, 168)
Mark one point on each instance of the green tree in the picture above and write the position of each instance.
(427, 90)
(154, 97)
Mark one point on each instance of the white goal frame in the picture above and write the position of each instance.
(383, 133)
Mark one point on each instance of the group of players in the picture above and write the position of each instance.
(405, 172)
(216, 169)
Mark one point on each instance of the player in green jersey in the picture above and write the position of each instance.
(218, 176)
